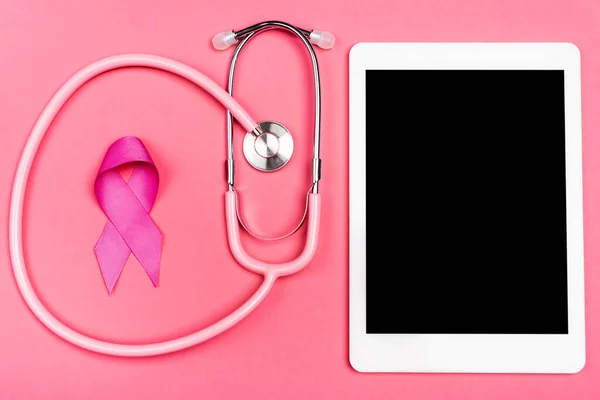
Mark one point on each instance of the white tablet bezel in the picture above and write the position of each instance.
(497, 353)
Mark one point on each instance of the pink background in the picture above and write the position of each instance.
(295, 346)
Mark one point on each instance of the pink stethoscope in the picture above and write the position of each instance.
(267, 146)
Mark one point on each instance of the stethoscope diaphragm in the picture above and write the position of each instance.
(270, 147)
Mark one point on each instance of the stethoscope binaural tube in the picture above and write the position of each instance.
(325, 40)
(246, 35)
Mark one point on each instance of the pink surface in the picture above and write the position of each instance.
(294, 346)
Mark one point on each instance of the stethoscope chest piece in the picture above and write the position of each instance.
(269, 147)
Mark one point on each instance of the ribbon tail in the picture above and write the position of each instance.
(112, 253)
(149, 255)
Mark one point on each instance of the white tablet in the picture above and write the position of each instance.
(466, 227)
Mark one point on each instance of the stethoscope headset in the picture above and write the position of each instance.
(267, 146)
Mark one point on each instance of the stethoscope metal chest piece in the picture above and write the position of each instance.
(271, 149)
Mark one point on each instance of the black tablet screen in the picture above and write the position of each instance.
(466, 202)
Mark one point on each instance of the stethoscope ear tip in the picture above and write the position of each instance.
(224, 40)
(323, 39)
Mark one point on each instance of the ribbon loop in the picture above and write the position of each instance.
(129, 228)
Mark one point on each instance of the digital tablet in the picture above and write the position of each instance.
(466, 227)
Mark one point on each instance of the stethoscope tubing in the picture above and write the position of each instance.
(269, 271)
(18, 196)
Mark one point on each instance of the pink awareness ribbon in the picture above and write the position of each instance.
(127, 205)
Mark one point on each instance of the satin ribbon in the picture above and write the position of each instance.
(129, 228)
